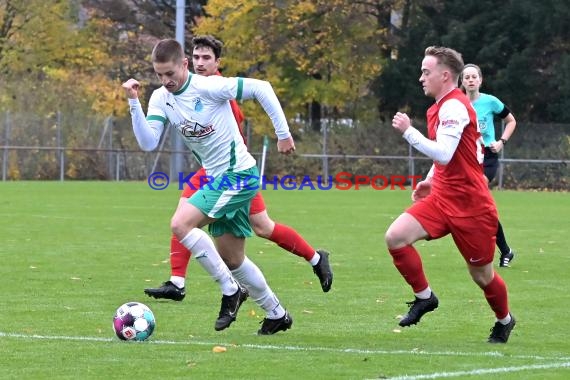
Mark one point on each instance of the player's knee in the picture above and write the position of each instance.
(262, 225)
(390, 237)
(178, 228)
(482, 275)
(233, 262)
(263, 230)
(393, 238)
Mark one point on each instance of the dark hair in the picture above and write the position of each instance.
(167, 50)
(209, 42)
(448, 57)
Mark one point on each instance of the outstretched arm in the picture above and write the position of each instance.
(263, 92)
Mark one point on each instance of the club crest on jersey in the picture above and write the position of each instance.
(198, 106)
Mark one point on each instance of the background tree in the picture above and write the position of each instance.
(313, 52)
(47, 49)
(333, 60)
(522, 48)
(132, 27)
(53, 63)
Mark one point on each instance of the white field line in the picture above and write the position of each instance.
(293, 348)
(481, 372)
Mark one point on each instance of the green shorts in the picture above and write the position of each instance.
(227, 199)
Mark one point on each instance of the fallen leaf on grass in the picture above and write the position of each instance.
(219, 349)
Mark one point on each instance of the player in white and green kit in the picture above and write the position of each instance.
(198, 108)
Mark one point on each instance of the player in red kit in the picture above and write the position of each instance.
(206, 59)
(453, 199)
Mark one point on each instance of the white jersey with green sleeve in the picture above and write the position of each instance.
(201, 113)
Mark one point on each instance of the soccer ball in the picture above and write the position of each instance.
(133, 321)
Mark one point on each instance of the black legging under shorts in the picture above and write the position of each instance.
(490, 164)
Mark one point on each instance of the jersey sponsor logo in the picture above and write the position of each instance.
(449, 123)
(193, 129)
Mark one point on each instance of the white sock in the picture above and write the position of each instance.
(424, 294)
(250, 276)
(506, 320)
(315, 260)
(178, 281)
(204, 250)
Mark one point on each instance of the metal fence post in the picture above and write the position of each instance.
(6, 144)
(59, 144)
(325, 156)
(117, 166)
(411, 162)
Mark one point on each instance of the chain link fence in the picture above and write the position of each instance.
(56, 147)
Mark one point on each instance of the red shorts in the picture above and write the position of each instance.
(474, 236)
(200, 178)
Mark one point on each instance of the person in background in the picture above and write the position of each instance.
(487, 106)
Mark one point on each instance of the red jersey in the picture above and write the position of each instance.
(460, 188)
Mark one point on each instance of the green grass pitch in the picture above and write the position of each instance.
(72, 252)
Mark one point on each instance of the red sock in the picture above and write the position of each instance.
(497, 297)
(409, 263)
(289, 239)
(179, 258)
